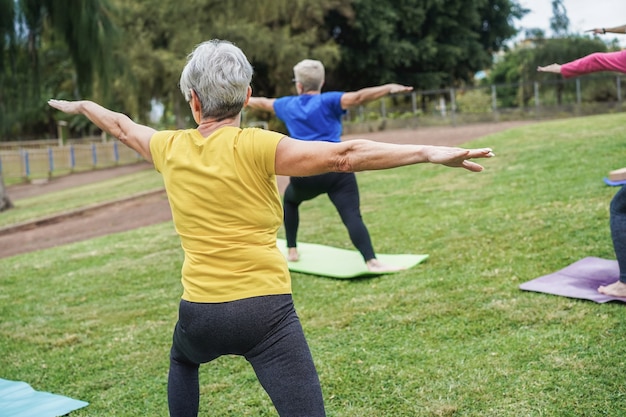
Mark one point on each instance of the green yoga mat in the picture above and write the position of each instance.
(341, 263)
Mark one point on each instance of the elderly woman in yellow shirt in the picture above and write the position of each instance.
(221, 184)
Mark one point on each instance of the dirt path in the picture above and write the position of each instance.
(153, 208)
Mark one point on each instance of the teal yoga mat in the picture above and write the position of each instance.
(18, 399)
(333, 262)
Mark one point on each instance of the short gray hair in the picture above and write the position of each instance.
(309, 73)
(220, 74)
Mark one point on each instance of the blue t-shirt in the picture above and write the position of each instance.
(312, 116)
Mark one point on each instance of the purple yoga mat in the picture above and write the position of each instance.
(579, 280)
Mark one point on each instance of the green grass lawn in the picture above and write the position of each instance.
(453, 336)
(74, 198)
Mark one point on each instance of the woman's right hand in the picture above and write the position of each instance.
(555, 68)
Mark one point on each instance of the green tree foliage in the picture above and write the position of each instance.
(47, 47)
(157, 34)
(559, 23)
(361, 42)
(164, 31)
(47, 44)
(284, 34)
(426, 44)
(7, 30)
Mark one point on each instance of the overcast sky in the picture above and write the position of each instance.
(582, 14)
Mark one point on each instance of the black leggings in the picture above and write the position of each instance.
(343, 191)
(618, 230)
(266, 331)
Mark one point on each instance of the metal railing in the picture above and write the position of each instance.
(553, 98)
(30, 162)
(556, 98)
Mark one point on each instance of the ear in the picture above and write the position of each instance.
(195, 101)
(248, 95)
(196, 106)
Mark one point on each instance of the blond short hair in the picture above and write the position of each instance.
(309, 73)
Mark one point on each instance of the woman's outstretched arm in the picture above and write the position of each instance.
(303, 158)
(131, 134)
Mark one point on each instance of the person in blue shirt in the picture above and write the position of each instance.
(313, 115)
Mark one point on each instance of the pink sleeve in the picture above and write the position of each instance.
(599, 61)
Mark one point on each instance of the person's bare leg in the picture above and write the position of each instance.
(616, 289)
(374, 265)
(555, 68)
(293, 255)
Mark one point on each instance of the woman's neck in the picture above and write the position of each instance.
(208, 126)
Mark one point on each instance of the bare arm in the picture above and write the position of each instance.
(131, 134)
(554, 68)
(616, 29)
(262, 103)
(365, 95)
(302, 158)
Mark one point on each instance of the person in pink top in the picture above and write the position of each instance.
(597, 62)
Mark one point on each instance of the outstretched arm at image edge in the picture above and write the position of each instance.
(601, 31)
(131, 134)
(303, 158)
(596, 62)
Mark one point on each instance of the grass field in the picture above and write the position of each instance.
(79, 197)
(453, 336)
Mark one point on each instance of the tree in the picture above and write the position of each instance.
(32, 32)
(28, 27)
(5, 202)
(424, 44)
(559, 23)
(164, 31)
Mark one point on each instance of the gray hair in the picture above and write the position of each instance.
(220, 74)
(309, 73)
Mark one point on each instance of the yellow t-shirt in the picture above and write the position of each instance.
(226, 209)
